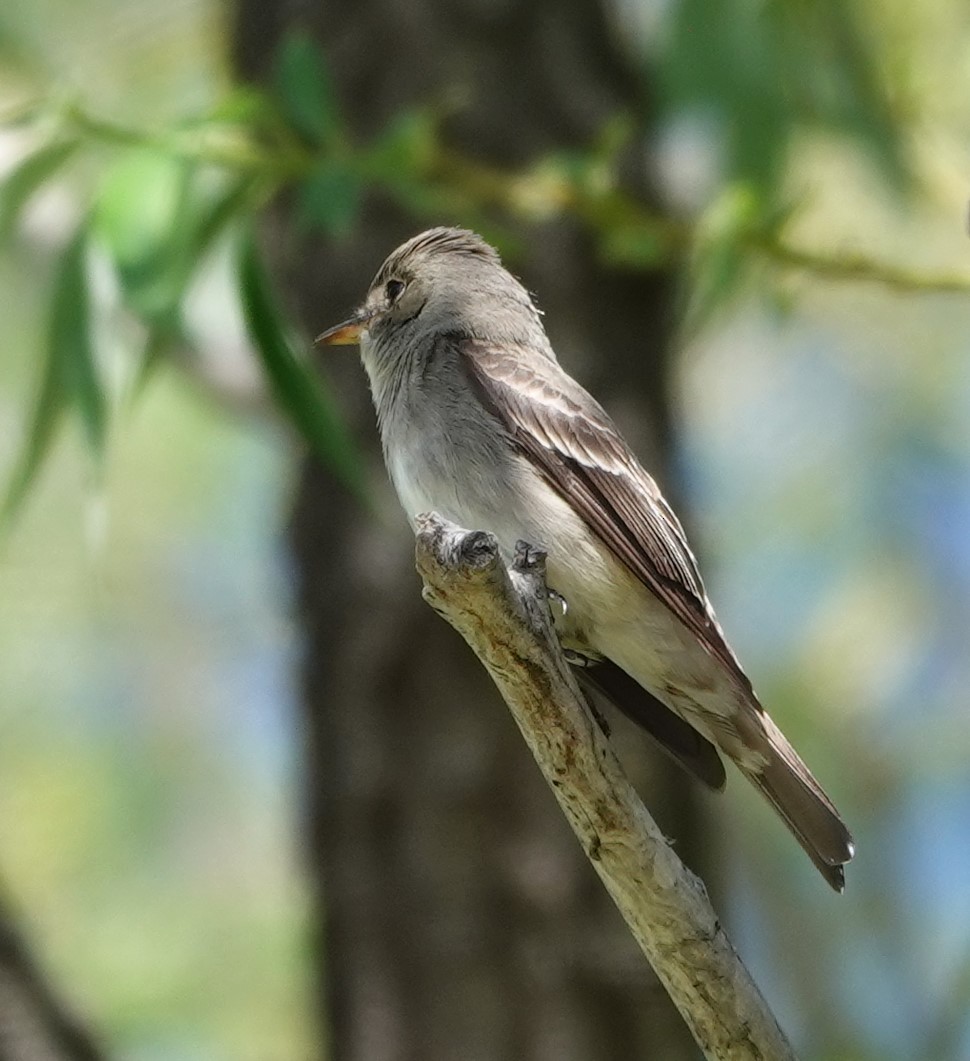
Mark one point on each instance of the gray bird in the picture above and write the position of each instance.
(480, 424)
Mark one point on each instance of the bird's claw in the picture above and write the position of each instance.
(559, 599)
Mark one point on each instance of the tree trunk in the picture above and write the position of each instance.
(459, 918)
(35, 1025)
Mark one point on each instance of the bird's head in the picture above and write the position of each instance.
(446, 281)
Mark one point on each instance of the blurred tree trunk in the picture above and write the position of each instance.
(35, 1024)
(461, 919)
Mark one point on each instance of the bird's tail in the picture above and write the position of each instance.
(790, 788)
(677, 737)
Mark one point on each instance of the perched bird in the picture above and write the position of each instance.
(481, 424)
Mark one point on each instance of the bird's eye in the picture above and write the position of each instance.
(393, 290)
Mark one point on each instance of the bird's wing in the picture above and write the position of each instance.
(678, 738)
(582, 455)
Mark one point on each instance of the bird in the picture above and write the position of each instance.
(481, 424)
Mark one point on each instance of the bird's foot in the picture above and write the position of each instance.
(558, 599)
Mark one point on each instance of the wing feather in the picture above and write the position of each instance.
(578, 449)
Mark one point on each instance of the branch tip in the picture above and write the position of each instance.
(479, 548)
(529, 559)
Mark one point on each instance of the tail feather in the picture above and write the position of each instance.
(780, 775)
(677, 738)
(807, 811)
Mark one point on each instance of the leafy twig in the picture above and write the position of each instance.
(624, 226)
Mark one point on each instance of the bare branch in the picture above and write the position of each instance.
(503, 614)
(829, 265)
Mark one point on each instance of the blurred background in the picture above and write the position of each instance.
(254, 803)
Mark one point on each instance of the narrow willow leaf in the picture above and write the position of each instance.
(217, 214)
(45, 419)
(404, 148)
(69, 377)
(854, 96)
(141, 197)
(719, 273)
(195, 241)
(296, 389)
(305, 89)
(70, 342)
(330, 198)
(164, 338)
(203, 217)
(140, 220)
(157, 219)
(27, 177)
(244, 105)
(720, 264)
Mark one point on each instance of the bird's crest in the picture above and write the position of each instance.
(437, 241)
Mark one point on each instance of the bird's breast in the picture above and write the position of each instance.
(477, 480)
(466, 476)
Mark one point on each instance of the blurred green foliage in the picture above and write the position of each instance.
(771, 70)
(26, 178)
(70, 375)
(164, 198)
(306, 93)
(297, 389)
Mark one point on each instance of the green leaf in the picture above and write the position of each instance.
(330, 198)
(70, 341)
(70, 376)
(139, 201)
(640, 245)
(721, 263)
(723, 63)
(839, 84)
(141, 215)
(45, 419)
(157, 218)
(206, 218)
(213, 216)
(27, 177)
(296, 388)
(305, 90)
(163, 337)
(243, 105)
(403, 149)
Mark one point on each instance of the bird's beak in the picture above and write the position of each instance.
(348, 333)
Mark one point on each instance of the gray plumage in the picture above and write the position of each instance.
(481, 424)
